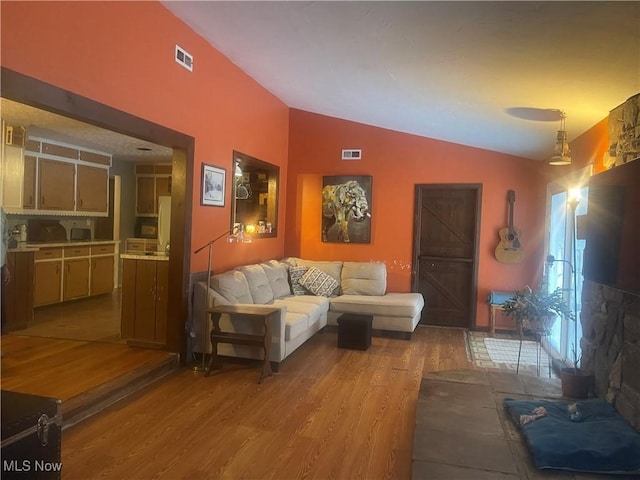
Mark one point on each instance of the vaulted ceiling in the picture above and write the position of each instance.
(487, 74)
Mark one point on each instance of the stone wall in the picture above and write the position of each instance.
(611, 346)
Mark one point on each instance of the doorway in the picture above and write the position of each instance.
(30, 91)
(445, 261)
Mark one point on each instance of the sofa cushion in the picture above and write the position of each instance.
(233, 286)
(318, 282)
(259, 285)
(364, 278)
(311, 310)
(278, 278)
(321, 302)
(295, 324)
(295, 274)
(391, 304)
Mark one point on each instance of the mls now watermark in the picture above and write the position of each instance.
(31, 466)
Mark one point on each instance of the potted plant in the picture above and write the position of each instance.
(576, 382)
(536, 310)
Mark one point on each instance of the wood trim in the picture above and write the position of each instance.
(30, 91)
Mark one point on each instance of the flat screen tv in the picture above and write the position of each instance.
(612, 250)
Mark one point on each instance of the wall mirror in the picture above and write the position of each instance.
(255, 195)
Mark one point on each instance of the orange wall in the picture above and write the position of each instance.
(121, 54)
(397, 163)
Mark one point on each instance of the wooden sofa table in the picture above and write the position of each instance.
(250, 313)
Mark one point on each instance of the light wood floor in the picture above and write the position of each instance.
(328, 414)
(64, 369)
(95, 319)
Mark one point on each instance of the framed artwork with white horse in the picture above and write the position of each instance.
(346, 209)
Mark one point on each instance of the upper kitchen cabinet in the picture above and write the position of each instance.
(29, 193)
(152, 181)
(92, 194)
(43, 177)
(56, 185)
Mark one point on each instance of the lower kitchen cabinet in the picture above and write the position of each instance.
(76, 278)
(144, 302)
(47, 282)
(72, 272)
(18, 293)
(102, 269)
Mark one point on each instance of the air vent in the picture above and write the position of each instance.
(184, 58)
(351, 154)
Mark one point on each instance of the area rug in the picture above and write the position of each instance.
(501, 352)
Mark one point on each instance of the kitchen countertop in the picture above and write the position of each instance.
(149, 256)
(89, 243)
(21, 248)
(35, 246)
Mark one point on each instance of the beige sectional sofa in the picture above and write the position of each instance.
(310, 294)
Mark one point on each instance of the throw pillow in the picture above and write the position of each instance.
(318, 282)
(295, 274)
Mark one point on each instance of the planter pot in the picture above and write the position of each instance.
(575, 384)
(539, 325)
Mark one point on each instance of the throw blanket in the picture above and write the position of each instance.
(584, 436)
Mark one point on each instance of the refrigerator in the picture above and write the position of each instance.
(164, 223)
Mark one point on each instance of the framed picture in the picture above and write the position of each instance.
(346, 209)
(213, 185)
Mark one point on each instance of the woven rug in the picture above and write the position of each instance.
(501, 352)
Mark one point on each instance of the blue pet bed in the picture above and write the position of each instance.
(597, 440)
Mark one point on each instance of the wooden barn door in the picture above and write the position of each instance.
(445, 264)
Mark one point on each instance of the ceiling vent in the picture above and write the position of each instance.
(184, 58)
(351, 154)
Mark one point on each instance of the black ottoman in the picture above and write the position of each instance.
(354, 331)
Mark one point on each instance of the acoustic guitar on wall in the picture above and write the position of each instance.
(509, 250)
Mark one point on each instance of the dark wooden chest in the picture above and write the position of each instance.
(31, 436)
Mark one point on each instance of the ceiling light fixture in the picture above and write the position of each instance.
(561, 153)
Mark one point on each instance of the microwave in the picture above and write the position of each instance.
(146, 230)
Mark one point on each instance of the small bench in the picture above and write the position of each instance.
(496, 299)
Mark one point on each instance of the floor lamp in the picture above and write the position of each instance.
(235, 235)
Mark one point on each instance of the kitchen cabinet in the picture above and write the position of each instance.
(56, 182)
(152, 181)
(52, 176)
(92, 189)
(71, 272)
(141, 245)
(75, 273)
(29, 183)
(47, 277)
(12, 174)
(144, 302)
(145, 196)
(102, 269)
(18, 295)
(76, 279)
